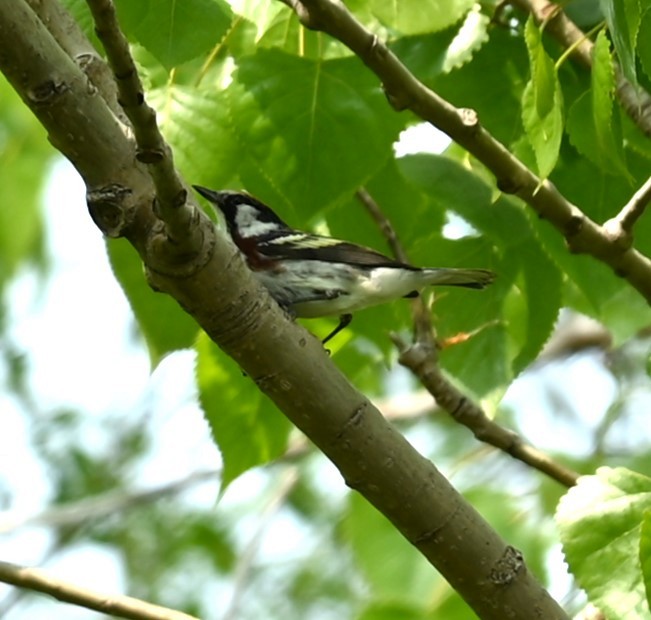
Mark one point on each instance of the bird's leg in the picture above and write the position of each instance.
(344, 320)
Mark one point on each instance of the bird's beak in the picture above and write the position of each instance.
(208, 194)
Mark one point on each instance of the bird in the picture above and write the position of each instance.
(314, 276)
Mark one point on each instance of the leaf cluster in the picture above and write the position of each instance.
(250, 99)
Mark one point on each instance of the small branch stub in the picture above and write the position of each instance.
(508, 567)
(108, 209)
(46, 92)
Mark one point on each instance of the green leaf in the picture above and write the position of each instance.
(471, 36)
(197, 126)
(363, 527)
(542, 103)
(164, 325)
(542, 69)
(623, 19)
(491, 84)
(600, 523)
(393, 611)
(24, 156)
(326, 121)
(510, 247)
(606, 124)
(644, 43)
(275, 25)
(413, 16)
(175, 32)
(246, 426)
(424, 55)
(645, 554)
(603, 87)
(596, 137)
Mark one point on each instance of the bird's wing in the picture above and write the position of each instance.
(315, 247)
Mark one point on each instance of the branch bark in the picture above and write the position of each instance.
(151, 149)
(287, 364)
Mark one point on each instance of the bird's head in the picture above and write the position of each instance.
(245, 215)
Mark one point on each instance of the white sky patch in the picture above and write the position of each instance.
(456, 227)
(73, 326)
(421, 138)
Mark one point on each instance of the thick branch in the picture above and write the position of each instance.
(404, 91)
(286, 363)
(120, 606)
(74, 42)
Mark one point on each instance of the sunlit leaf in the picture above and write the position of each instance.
(326, 121)
(169, 29)
(24, 156)
(412, 16)
(542, 103)
(600, 522)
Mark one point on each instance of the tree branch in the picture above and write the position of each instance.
(74, 42)
(120, 606)
(421, 358)
(404, 91)
(620, 228)
(245, 561)
(287, 364)
(91, 508)
(152, 149)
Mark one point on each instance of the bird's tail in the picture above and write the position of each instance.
(471, 278)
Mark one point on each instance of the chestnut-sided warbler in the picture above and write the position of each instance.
(312, 275)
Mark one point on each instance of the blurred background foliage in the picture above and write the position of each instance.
(112, 474)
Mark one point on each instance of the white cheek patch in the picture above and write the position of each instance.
(247, 220)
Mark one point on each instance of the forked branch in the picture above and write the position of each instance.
(421, 357)
(405, 91)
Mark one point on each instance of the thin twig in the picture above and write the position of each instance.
(621, 226)
(247, 557)
(92, 508)
(421, 358)
(115, 605)
(422, 324)
(404, 91)
(386, 228)
(152, 148)
(418, 358)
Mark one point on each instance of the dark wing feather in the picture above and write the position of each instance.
(327, 249)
